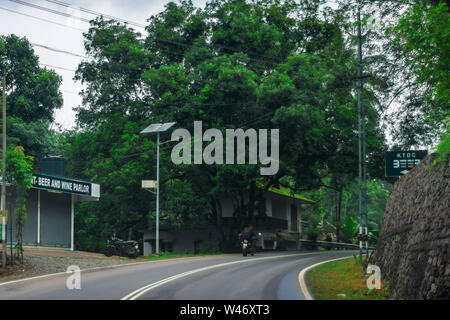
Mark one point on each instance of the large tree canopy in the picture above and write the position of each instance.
(406, 43)
(32, 96)
(235, 64)
(32, 92)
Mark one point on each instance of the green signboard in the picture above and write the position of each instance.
(400, 162)
(59, 184)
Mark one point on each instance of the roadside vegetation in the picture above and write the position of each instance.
(236, 64)
(335, 215)
(344, 280)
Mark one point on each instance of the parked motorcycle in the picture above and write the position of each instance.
(119, 247)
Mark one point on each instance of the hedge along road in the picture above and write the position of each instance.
(229, 277)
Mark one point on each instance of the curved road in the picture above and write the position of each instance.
(228, 277)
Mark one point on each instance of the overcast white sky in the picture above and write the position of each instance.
(67, 39)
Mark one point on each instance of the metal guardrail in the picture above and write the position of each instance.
(331, 244)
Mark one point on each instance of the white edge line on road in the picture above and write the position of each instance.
(301, 277)
(139, 292)
(96, 268)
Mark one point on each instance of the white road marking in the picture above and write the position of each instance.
(139, 292)
(301, 278)
(99, 268)
(32, 278)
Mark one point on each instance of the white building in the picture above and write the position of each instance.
(278, 218)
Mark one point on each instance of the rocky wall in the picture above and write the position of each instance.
(413, 250)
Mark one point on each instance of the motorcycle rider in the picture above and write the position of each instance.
(250, 235)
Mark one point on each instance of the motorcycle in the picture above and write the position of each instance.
(248, 247)
(118, 247)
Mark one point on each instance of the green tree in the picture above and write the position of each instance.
(32, 91)
(235, 64)
(19, 172)
(407, 48)
(32, 96)
(327, 199)
(424, 35)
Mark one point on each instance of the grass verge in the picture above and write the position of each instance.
(344, 280)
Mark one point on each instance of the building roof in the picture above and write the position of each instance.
(287, 192)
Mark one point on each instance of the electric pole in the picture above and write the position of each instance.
(361, 149)
(3, 199)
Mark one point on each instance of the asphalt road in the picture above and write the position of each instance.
(229, 277)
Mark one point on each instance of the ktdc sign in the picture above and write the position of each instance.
(400, 162)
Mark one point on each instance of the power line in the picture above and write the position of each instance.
(262, 58)
(68, 5)
(71, 92)
(35, 6)
(59, 50)
(68, 15)
(42, 19)
(56, 67)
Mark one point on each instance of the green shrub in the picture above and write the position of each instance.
(204, 249)
(443, 148)
(349, 229)
(312, 234)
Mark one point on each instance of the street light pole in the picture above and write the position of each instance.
(157, 195)
(3, 199)
(157, 128)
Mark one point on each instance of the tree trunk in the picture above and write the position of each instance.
(338, 215)
(219, 223)
(251, 202)
(130, 232)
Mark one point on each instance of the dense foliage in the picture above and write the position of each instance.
(239, 64)
(32, 95)
(19, 172)
(234, 64)
(327, 217)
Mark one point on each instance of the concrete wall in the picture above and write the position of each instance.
(268, 206)
(279, 208)
(227, 206)
(182, 240)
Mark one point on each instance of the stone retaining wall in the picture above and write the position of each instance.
(413, 249)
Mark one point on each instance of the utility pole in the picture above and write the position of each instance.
(3, 206)
(361, 141)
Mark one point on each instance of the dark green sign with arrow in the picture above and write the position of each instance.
(400, 162)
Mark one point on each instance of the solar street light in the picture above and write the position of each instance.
(157, 128)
